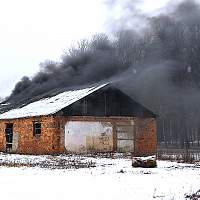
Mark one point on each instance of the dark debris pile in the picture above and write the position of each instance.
(194, 196)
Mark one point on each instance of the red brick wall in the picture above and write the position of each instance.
(47, 142)
(2, 135)
(145, 137)
(51, 139)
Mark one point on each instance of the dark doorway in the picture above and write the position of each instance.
(9, 137)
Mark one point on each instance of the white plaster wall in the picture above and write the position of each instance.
(77, 132)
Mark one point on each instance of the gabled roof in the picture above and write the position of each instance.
(50, 105)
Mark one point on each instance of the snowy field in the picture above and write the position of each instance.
(87, 178)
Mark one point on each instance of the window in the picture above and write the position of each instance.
(36, 128)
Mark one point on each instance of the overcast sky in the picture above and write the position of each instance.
(32, 31)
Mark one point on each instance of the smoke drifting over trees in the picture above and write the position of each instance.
(159, 63)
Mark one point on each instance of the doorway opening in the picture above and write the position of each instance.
(9, 137)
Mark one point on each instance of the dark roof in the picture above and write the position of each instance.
(48, 103)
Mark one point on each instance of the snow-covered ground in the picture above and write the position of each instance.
(98, 179)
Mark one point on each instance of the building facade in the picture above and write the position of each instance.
(95, 119)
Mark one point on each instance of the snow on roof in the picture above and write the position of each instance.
(50, 105)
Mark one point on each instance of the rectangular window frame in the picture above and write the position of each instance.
(37, 128)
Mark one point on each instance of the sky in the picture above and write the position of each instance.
(37, 30)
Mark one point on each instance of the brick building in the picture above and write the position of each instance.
(96, 119)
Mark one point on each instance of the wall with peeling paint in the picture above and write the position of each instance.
(88, 136)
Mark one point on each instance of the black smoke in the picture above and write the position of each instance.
(156, 59)
(171, 37)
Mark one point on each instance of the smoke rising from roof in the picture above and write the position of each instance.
(149, 56)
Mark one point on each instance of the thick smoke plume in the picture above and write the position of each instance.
(173, 37)
(159, 64)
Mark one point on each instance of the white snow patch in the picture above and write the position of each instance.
(111, 179)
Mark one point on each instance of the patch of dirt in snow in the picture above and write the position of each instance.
(68, 161)
(194, 196)
(45, 161)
